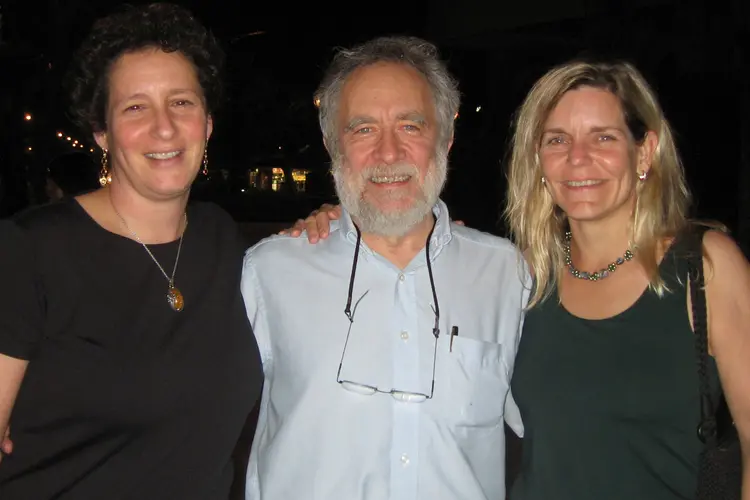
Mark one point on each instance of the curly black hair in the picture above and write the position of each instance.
(165, 26)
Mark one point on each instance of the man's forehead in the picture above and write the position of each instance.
(396, 88)
(380, 79)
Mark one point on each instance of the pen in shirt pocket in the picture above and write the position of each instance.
(454, 333)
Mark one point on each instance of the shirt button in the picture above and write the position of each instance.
(404, 335)
(404, 459)
(401, 277)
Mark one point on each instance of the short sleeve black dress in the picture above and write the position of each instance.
(124, 398)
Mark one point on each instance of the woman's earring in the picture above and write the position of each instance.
(105, 177)
(643, 175)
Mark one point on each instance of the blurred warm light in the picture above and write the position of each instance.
(92, 150)
(59, 134)
(300, 175)
(317, 102)
(27, 117)
(29, 148)
(68, 138)
(479, 108)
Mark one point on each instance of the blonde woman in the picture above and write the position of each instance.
(605, 375)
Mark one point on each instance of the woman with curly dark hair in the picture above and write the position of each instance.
(127, 363)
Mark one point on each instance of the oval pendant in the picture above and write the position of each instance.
(175, 299)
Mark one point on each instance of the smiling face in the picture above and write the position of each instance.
(157, 124)
(589, 158)
(387, 174)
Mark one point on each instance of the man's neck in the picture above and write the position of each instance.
(400, 250)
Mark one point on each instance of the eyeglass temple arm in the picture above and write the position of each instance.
(348, 309)
(436, 308)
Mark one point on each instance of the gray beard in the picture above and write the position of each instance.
(395, 223)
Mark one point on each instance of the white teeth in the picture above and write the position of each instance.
(387, 179)
(162, 156)
(582, 183)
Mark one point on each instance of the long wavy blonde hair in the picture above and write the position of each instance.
(537, 225)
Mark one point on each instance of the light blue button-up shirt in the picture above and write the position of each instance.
(317, 440)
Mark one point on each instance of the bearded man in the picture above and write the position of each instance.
(388, 346)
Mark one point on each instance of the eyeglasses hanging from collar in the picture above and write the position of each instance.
(369, 390)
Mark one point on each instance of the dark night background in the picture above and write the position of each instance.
(695, 53)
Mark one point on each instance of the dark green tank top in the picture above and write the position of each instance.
(610, 407)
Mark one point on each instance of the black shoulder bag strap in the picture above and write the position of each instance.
(694, 254)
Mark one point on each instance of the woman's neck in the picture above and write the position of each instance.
(151, 221)
(596, 244)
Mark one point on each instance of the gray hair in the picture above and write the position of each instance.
(411, 51)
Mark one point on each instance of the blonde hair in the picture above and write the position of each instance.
(538, 225)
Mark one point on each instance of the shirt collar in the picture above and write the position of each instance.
(440, 236)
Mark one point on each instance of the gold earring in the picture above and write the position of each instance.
(544, 180)
(205, 161)
(105, 177)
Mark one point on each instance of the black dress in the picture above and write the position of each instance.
(123, 397)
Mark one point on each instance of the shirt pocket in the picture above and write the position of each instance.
(471, 383)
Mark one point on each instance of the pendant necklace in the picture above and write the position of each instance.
(174, 296)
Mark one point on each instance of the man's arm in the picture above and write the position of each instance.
(255, 308)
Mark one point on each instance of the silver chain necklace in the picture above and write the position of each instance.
(174, 296)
